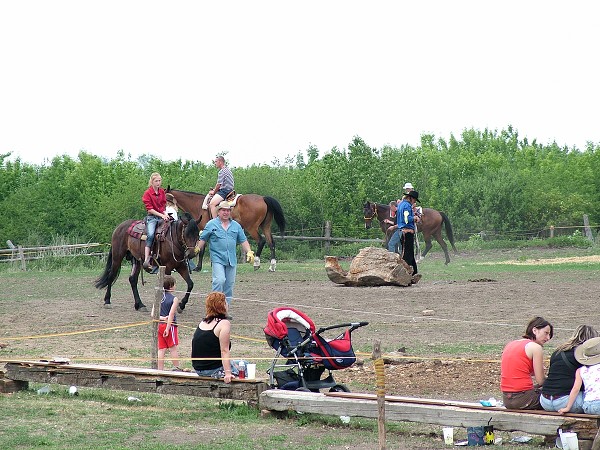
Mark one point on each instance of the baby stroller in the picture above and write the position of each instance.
(303, 354)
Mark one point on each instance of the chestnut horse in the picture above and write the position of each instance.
(179, 244)
(430, 225)
(253, 212)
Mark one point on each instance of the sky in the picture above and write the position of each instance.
(264, 80)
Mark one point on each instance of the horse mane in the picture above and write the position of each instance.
(191, 229)
(169, 189)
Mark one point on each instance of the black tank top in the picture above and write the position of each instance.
(205, 344)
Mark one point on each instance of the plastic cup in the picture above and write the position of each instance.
(251, 371)
(569, 441)
(448, 435)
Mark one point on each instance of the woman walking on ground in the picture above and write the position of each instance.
(521, 360)
(561, 373)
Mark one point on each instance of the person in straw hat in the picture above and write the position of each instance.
(223, 234)
(587, 354)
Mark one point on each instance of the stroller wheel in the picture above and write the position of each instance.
(339, 388)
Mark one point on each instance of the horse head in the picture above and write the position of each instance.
(189, 235)
(369, 212)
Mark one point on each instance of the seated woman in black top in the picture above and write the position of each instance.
(211, 341)
(561, 374)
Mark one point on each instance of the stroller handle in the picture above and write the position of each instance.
(353, 326)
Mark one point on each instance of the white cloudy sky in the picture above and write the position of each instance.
(265, 79)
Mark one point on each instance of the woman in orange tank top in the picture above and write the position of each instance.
(522, 363)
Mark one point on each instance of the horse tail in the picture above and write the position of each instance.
(105, 279)
(449, 232)
(274, 207)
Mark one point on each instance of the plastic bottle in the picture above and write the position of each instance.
(242, 372)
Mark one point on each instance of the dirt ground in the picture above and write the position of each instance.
(441, 338)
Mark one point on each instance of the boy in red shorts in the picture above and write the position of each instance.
(168, 338)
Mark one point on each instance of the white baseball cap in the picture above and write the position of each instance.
(408, 186)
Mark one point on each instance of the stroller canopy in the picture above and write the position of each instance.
(280, 319)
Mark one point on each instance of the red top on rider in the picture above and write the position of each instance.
(155, 200)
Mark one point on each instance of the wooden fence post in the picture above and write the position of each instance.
(380, 383)
(158, 295)
(588, 230)
(327, 236)
(22, 258)
(551, 231)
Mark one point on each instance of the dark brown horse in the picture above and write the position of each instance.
(179, 244)
(253, 212)
(430, 225)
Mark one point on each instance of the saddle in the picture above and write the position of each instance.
(138, 230)
(232, 198)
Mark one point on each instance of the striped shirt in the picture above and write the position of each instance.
(225, 179)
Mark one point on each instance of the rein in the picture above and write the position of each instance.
(180, 241)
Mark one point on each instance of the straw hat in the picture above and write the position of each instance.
(224, 204)
(588, 353)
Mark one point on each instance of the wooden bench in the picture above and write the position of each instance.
(132, 379)
(437, 412)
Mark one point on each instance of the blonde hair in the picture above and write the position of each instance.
(152, 177)
(581, 334)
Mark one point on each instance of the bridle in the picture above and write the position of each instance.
(374, 211)
(180, 241)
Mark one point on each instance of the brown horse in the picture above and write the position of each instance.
(179, 244)
(252, 211)
(430, 225)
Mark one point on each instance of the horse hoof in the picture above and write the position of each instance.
(107, 306)
(271, 269)
(179, 310)
(197, 269)
(256, 268)
(143, 309)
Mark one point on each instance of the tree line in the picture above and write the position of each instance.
(483, 180)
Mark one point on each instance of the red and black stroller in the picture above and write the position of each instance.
(303, 354)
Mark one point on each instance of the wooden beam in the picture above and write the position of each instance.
(135, 379)
(446, 415)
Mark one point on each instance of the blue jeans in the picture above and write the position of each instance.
(219, 372)
(151, 222)
(558, 402)
(395, 242)
(591, 407)
(223, 279)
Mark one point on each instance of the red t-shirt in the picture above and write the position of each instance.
(153, 200)
(516, 368)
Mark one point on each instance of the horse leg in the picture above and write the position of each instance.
(261, 244)
(271, 242)
(198, 268)
(428, 245)
(133, 281)
(185, 274)
(438, 237)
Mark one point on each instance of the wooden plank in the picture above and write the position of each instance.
(135, 379)
(446, 415)
(427, 401)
